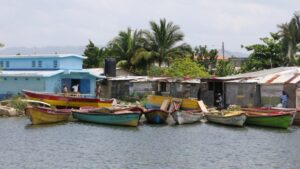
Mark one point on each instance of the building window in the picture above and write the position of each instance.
(16, 78)
(7, 63)
(38, 78)
(55, 64)
(39, 63)
(5, 78)
(33, 63)
(1, 63)
(26, 78)
(163, 87)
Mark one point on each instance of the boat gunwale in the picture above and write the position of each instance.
(53, 96)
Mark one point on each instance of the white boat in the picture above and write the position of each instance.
(187, 116)
(233, 119)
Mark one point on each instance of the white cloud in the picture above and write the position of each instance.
(72, 22)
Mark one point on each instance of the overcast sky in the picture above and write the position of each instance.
(38, 23)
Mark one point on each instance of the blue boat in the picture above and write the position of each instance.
(156, 116)
(124, 117)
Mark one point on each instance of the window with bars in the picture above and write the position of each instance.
(33, 63)
(55, 64)
(40, 63)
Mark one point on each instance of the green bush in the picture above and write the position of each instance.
(18, 104)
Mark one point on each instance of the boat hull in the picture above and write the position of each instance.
(236, 120)
(125, 119)
(154, 101)
(279, 121)
(39, 115)
(59, 100)
(156, 116)
(186, 117)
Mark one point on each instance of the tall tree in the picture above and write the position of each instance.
(290, 36)
(205, 57)
(224, 68)
(125, 45)
(162, 44)
(266, 55)
(95, 56)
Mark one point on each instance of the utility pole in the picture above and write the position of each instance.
(223, 50)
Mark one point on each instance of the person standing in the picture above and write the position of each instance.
(219, 101)
(284, 99)
(98, 90)
(65, 90)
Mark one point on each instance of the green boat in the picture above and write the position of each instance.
(276, 119)
(122, 117)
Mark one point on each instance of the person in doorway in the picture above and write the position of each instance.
(65, 90)
(98, 90)
(284, 99)
(219, 101)
(75, 89)
(199, 94)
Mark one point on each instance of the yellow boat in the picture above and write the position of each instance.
(67, 101)
(44, 115)
(154, 101)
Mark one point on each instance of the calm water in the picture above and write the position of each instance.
(83, 145)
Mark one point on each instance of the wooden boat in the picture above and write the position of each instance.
(156, 116)
(67, 101)
(186, 116)
(294, 111)
(44, 115)
(122, 117)
(269, 118)
(234, 118)
(154, 102)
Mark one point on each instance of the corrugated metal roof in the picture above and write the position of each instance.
(286, 75)
(261, 73)
(42, 56)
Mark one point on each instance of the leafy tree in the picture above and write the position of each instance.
(205, 57)
(95, 56)
(161, 44)
(186, 67)
(1, 45)
(125, 45)
(266, 55)
(290, 37)
(225, 68)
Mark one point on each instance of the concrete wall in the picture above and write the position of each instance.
(46, 63)
(71, 63)
(243, 94)
(270, 94)
(15, 85)
(142, 87)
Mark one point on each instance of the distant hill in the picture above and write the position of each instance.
(42, 50)
(78, 50)
(229, 54)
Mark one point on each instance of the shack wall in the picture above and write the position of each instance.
(243, 94)
(270, 94)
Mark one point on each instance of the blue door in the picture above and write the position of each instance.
(85, 86)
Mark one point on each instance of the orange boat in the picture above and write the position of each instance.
(67, 101)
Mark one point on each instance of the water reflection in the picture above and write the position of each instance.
(202, 145)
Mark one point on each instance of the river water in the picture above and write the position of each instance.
(73, 145)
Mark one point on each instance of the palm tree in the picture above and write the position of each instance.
(95, 56)
(161, 44)
(289, 33)
(125, 45)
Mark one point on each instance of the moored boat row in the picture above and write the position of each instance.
(156, 111)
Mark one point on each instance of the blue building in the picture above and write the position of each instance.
(46, 73)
